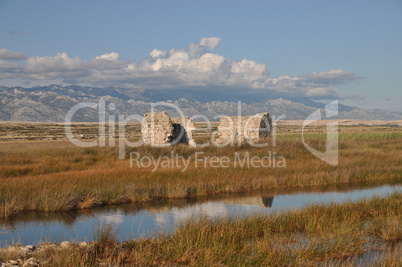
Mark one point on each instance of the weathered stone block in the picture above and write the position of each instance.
(244, 128)
(158, 129)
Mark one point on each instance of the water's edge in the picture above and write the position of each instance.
(145, 220)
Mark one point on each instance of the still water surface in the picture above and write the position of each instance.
(135, 221)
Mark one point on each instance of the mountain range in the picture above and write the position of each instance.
(52, 103)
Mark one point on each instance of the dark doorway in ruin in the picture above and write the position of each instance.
(180, 135)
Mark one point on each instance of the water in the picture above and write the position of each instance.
(135, 221)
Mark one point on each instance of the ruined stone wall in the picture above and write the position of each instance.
(158, 129)
(240, 129)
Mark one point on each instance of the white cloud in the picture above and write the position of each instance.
(6, 64)
(195, 66)
(7, 54)
(109, 56)
(157, 53)
(338, 76)
(59, 63)
(210, 43)
(312, 85)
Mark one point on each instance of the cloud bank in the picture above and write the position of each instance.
(196, 66)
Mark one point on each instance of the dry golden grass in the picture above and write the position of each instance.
(324, 235)
(56, 175)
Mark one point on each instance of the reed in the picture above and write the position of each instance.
(344, 234)
(57, 176)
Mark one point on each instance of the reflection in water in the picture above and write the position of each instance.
(259, 201)
(267, 201)
(145, 220)
(66, 218)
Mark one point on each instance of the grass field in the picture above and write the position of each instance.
(55, 175)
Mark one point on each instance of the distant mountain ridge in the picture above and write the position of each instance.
(51, 103)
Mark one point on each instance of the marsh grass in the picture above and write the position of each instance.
(391, 228)
(58, 176)
(105, 237)
(320, 235)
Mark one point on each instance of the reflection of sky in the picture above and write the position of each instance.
(114, 217)
(301, 200)
(145, 223)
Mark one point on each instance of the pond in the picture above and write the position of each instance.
(146, 220)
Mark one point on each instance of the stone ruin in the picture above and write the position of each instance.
(241, 129)
(186, 126)
(158, 129)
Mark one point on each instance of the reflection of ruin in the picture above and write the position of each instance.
(158, 129)
(67, 218)
(263, 201)
(245, 128)
(267, 201)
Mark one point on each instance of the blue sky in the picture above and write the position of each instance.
(351, 50)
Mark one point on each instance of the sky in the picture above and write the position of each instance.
(324, 50)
